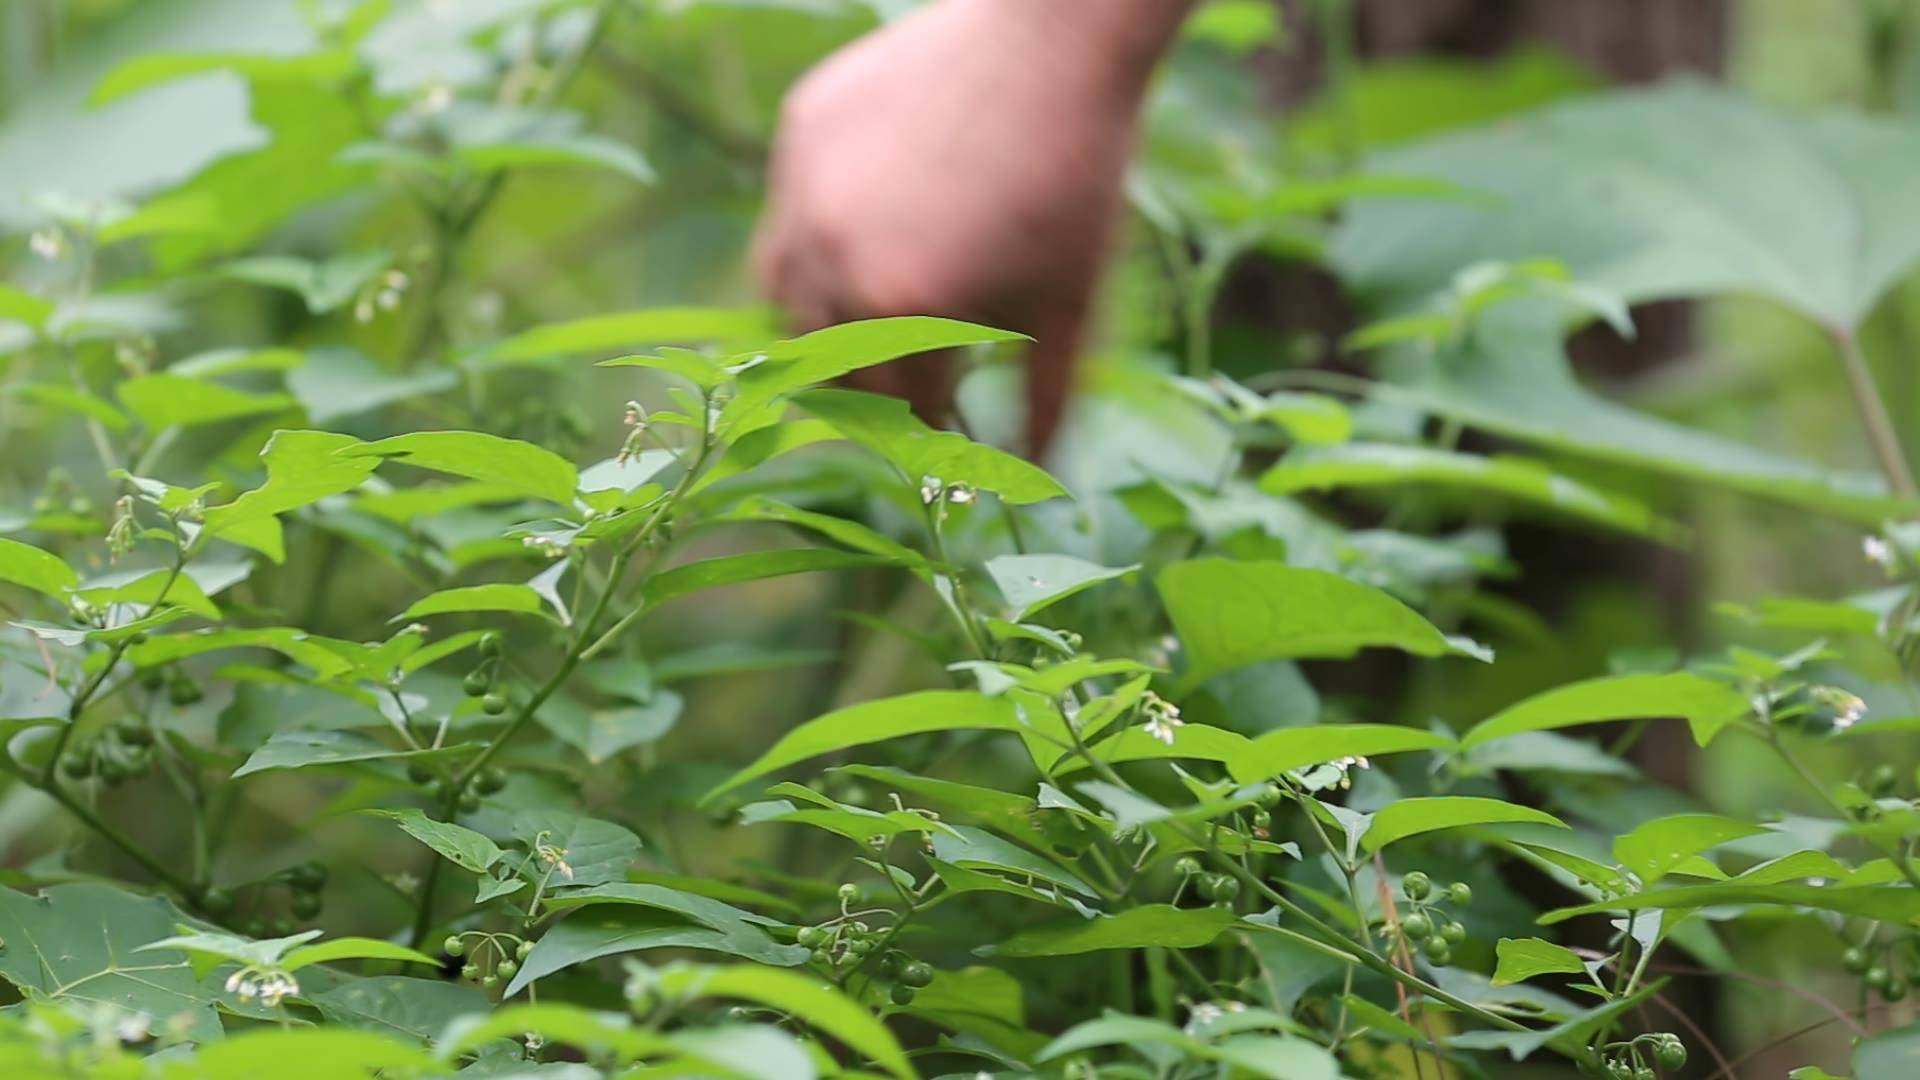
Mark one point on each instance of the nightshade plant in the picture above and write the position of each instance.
(347, 656)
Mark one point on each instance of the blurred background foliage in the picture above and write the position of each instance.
(693, 86)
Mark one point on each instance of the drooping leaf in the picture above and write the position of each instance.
(629, 330)
(315, 1053)
(805, 998)
(163, 400)
(1147, 926)
(1654, 848)
(826, 355)
(303, 467)
(309, 749)
(754, 566)
(1412, 817)
(1887, 903)
(1032, 583)
(888, 427)
(1294, 748)
(610, 929)
(1230, 614)
(325, 286)
(508, 463)
(30, 567)
(877, 721)
(412, 1008)
(1706, 705)
(1521, 959)
(465, 848)
(1374, 465)
(505, 597)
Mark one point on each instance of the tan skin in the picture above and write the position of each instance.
(965, 161)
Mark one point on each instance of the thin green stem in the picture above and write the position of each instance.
(1873, 415)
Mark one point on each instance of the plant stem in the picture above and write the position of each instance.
(1873, 415)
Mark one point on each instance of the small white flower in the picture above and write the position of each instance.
(1162, 717)
(534, 1041)
(960, 494)
(47, 243)
(1877, 551)
(235, 980)
(437, 99)
(1848, 708)
(363, 311)
(133, 1028)
(930, 488)
(1202, 1014)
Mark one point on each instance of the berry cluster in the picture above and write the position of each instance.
(1884, 969)
(121, 751)
(1428, 927)
(847, 942)
(1636, 1059)
(1220, 889)
(297, 890)
(490, 958)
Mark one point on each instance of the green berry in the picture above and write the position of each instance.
(489, 644)
(470, 971)
(1453, 933)
(183, 691)
(216, 901)
(306, 905)
(419, 773)
(1459, 894)
(1416, 885)
(153, 679)
(809, 936)
(523, 950)
(916, 974)
(1416, 926)
(494, 704)
(282, 926)
(1437, 950)
(490, 981)
(849, 892)
(310, 876)
(1186, 866)
(506, 968)
(901, 995)
(859, 947)
(1856, 960)
(820, 956)
(254, 928)
(1644, 1073)
(77, 764)
(1262, 819)
(894, 961)
(491, 780)
(1894, 990)
(1877, 977)
(132, 732)
(469, 803)
(1671, 1053)
(455, 945)
(114, 771)
(1882, 779)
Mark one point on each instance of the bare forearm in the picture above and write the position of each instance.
(1116, 41)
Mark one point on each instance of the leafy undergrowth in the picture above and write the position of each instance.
(362, 694)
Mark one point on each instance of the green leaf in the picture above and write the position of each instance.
(308, 1054)
(1886, 903)
(353, 948)
(490, 459)
(70, 399)
(754, 566)
(341, 382)
(840, 530)
(80, 944)
(1287, 749)
(877, 721)
(150, 590)
(163, 400)
(602, 733)
(1655, 847)
(629, 330)
(310, 749)
(1032, 583)
(595, 851)
(1706, 705)
(575, 149)
(1524, 958)
(147, 71)
(417, 1009)
(1230, 614)
(701, 909)
(888, 427)
(1412, 817)
(826, 355)
(18, 305)
(458, 844)
(516, 599)
(1374, 465)
(303, 467)
(1888, 1055)
(324, 286)
(804, 997)
(611, 929)
(1147, 926)
(294, 644)
(32, 568)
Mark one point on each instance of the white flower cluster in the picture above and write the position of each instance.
(269, 986)
(1162, 717)
(1848, 708)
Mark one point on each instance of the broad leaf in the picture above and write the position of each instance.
(162, 401)
(303, 467)
(1706, 705)
(734, 569)
(629, 330)
(1656, 847)
(1147, 926)
(458, 844)
(888, 427)
(1413, 817)
(610, 929)
(1033, 582)
(490, 459)
(1295, 748)
(1886, 903)
(311, 749)
(805, 998)
(1230, 614)
(29, 567)
(516, 599)
(1521, 959)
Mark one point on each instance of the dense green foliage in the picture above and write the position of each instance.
(407, 705)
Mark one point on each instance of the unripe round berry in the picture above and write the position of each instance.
(306, 905)
(1856, 960)
(114, 771)
(1436, 950)
(216, 901)
(476, 683)
(901, 995)
(153, 679)
(1416, 926)
(455, 945)
(859, 947)
(489, 644)
(1894, 990)
(1416, 885)
(1262, 819)
(77, 765)
(469, 803)
(490, 981)
(183, 691)
(1671, 1053)
(1459, 894)
(849, 892)
(491, 779)
(129, 730)
(419, 773)
(506, 968)
(916, 974)
(470, 972)
(494, 704)
(1877, 977)
(308, 876)
(1453, 933)
(1186, 866)
(523, 950)
(1882, 779)
(809, 936)
(1644, 1073)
